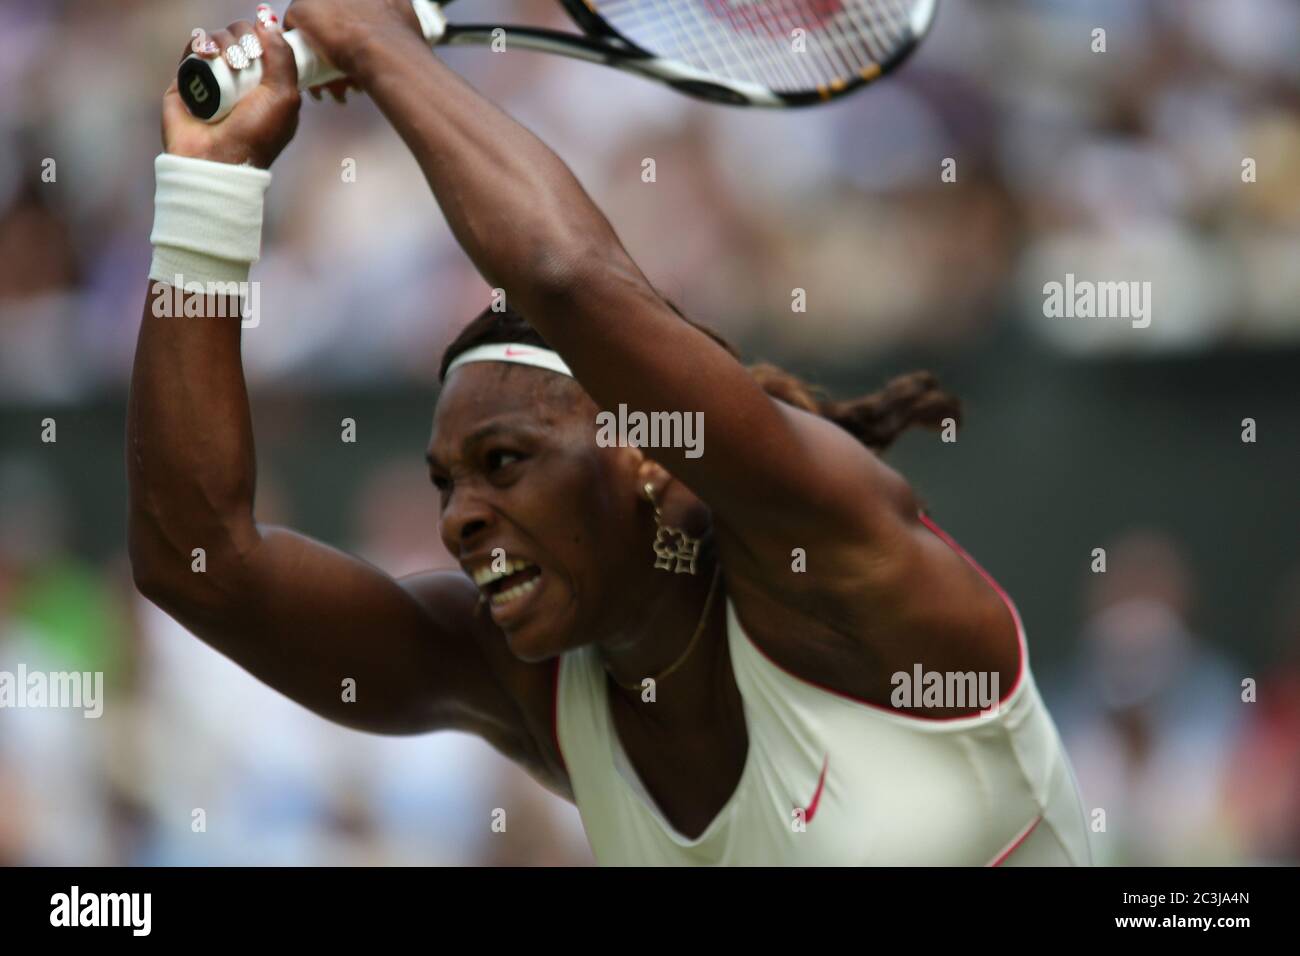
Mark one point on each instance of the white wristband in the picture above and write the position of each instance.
(207, 220)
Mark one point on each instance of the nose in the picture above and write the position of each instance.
(465, 516)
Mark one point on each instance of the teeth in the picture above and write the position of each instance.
(508, 595)
(485, 575)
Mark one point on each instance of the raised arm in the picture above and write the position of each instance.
(531, 229)
(297, 614)
(775, 478)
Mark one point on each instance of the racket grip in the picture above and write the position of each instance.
(210, 88)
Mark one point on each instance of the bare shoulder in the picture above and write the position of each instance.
(508, 702)
(852, 601)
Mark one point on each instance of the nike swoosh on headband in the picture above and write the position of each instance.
(515, 352)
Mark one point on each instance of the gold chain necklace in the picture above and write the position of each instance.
(699, 629)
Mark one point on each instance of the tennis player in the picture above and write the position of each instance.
(713, 642)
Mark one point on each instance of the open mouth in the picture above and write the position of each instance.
(505, 587)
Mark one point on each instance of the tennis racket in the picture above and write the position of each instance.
(775, 53)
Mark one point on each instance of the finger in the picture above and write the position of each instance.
(247, 45)
(343, 84)
(266, 16)
(279, 68)
(201, 44)
(225, 40)
(174, 112)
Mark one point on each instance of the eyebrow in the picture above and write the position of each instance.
(476, 436)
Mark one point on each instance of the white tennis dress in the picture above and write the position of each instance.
(831, 780)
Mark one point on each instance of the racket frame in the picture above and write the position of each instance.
(210, 88)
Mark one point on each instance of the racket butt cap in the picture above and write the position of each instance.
(201, 89)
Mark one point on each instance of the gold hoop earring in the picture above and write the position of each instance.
(674, 549)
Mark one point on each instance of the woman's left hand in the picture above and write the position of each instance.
(340, 29)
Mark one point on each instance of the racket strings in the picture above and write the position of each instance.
(755, 41)
(668, 10)
(727, 53)
(766, 60)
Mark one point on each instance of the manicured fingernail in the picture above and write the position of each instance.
(201, 45)
(266, 16)
(236, 57)
(252, 45)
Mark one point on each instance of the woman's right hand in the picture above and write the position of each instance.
(261, 124)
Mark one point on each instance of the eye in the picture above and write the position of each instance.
(499, 458)
(441, 482)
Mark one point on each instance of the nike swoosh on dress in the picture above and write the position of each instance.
(817, 796)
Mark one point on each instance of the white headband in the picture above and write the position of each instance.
(512, 352)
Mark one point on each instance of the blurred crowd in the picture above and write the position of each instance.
(1126, 164)
(1183, 755)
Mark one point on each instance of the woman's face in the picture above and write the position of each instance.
(514, 456)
